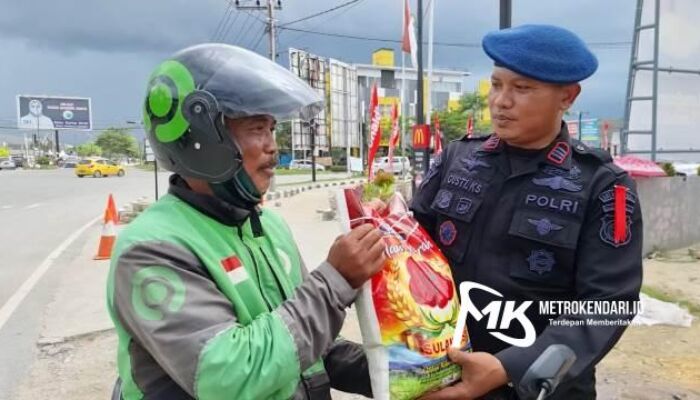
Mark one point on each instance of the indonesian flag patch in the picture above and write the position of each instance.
(234, 269)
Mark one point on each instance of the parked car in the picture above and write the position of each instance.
(98, 167)
(305, 164)
(7, 163)
(399, 165)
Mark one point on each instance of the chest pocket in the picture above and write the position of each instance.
(544, 248)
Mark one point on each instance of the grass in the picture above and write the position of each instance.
(664, 296)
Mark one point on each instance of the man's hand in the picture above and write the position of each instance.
(358, 255)
(481, 373)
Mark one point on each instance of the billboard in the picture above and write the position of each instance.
(50, 113)
(590, 131)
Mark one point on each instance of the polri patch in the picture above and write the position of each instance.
(443, 199)
(447, 233)
(558, 183)
(541, 261)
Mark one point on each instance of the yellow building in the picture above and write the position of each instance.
(483, 89)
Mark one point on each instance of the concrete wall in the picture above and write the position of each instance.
(671, 212)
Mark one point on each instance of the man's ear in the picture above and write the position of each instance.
(569, 93)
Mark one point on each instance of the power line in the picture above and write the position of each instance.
(225, 17)
(242, 31)
(445, 44)
(320, 22)
(319, 13)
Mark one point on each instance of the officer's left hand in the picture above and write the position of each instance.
(481, 373)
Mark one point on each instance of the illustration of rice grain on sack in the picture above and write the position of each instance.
(408, 312)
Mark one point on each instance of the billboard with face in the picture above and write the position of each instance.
(49, 113)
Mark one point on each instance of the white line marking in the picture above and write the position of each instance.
(35, 205)
(6, 207)
(11, 305)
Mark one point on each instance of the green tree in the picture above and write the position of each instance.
(4, 152)
(283, 135)
(88, 149)
(453, 123)
(117, 142)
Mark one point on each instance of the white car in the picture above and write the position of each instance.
(7, 164)
(686, 168)
(305, 164)
(399, 165)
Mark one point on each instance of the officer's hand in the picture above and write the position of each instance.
(481, 373)
(358, 255)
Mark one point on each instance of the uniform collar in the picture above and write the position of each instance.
(556, 154)
(221, 211)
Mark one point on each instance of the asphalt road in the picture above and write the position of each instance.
(38, 211)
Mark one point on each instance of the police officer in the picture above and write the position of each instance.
(534, 215)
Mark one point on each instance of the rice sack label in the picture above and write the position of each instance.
(408, 311)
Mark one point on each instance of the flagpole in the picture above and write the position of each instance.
(403, 91)
(429, 94)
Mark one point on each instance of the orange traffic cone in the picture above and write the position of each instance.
(111, 208)
(104, 251)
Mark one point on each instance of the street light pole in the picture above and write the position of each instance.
(506, 14)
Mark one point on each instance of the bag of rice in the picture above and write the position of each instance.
(408, 312)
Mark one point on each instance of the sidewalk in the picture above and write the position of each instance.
(76, 357)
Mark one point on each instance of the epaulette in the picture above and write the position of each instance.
(477, 138)
(599, 154)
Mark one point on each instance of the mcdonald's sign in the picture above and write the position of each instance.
(421, 137)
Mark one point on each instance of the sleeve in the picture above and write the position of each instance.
(425, 194)
(605, 270)
(346, 364)
(170, 306)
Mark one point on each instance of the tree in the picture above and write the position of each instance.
(117, 142)
(453, 123)
(88, 149)
(283, 134)
(4, 152)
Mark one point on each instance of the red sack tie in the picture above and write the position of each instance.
(620, 226)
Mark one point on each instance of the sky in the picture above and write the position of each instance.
(105, 50)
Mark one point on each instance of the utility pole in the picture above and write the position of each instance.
(273, 48)
(506, 14)
(420, 117)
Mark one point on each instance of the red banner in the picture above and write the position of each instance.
(394, 139)
(438, 135)
(470, 127)
(375, 129)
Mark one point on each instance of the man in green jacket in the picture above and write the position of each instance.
(208, 292)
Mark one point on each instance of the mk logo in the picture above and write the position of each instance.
(497, 310)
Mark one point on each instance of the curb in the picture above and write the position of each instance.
(291, 192)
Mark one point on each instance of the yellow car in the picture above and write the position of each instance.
(98, 167)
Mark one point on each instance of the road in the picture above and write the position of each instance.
(38, 211)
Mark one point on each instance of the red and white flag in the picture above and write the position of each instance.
(408, 41)
(234, 269)
(375, 129)
(394, 139)
(470, 127)
(438, 135)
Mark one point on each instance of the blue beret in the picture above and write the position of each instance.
(543, 52)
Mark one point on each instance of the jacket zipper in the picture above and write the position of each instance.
(257, 271)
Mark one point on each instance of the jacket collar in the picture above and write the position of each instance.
(557, 154)
(221, 211)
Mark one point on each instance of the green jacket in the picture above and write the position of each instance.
(212, 301)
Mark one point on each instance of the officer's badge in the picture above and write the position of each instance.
(447, 233)
(573, 174)
(473, 163)
(625, 209)
(558, 183)
(544, 226)
(541, 261)
(463, 206)
(444, 199)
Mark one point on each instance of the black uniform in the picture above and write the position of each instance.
(536, 225)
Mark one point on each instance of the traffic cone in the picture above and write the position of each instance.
(111, 210)
(104, 251)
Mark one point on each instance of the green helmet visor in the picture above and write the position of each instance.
(246, 84)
